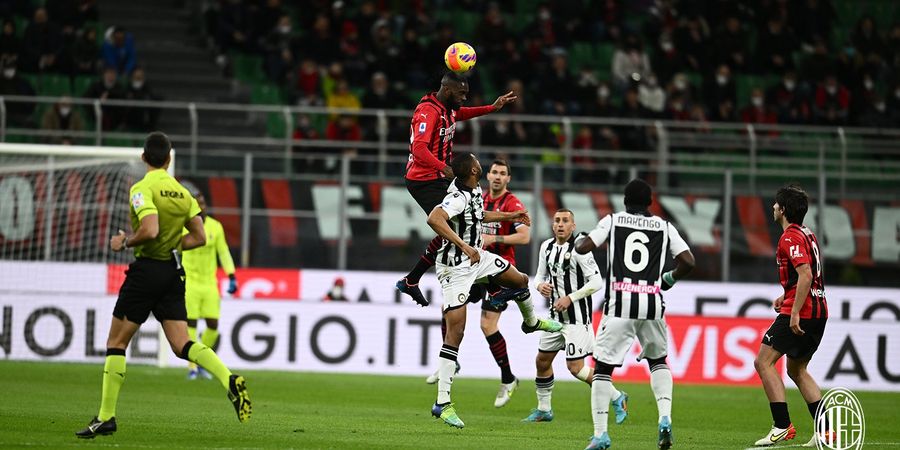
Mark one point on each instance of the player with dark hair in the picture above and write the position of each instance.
(568, 279)
(201, 286)
(461, 263)
(638, 243)
(428, 174)
(160, 209)
(499, 238)
(802, 314)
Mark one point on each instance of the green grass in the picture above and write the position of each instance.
(159, 408)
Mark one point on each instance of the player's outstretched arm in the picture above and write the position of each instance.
(196, 236)
(520, 216)
(503, 100)
(471, 112)
(438, 221)
(147, 231)
(521, 236)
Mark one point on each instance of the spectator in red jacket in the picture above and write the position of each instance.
(832, 102)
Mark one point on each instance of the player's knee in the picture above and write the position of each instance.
(795, 371)
(523, 281)
(760, 365)
(488, 326)
(574, 367)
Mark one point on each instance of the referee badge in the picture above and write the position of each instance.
(137, 200)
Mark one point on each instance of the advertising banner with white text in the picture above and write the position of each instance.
(402, 340)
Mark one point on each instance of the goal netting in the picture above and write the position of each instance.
(59, 206)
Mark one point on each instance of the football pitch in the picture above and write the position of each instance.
(46, 403)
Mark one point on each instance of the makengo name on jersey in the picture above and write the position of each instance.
(638, 221)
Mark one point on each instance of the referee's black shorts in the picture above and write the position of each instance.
(151, 285)
(428, 194)
(780, 337)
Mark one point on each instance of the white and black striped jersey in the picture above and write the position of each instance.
(567, 271)
(466, 210)
(636, 260)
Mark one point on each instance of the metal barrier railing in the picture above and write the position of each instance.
(668, 147)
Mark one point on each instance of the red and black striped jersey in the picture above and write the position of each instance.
(797, 246)
(431, 136)
(507, 202)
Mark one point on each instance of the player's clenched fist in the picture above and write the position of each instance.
(472, 253)
(117, 242)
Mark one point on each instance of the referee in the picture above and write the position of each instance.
(154, 282)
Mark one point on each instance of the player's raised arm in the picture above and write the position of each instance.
(586, 243)
(438, 220)
(466, 113)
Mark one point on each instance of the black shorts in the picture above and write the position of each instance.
(780, 337)
(428, 194)
(151, 285)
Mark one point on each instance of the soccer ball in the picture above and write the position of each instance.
(460, 57)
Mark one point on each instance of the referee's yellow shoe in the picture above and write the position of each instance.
(240, 397)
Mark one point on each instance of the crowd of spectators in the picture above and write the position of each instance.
(676, 60)
(60, 40)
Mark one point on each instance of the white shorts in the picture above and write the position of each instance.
(457, 281)
(576, 340)
(615, 335)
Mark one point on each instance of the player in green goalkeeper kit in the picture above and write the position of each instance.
(201, 285)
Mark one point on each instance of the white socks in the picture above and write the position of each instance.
(661, 382)
(601, 395)
(527, 308)
(446, 369)
(544, 392)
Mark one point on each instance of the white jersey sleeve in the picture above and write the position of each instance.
(601, 232)
(454, 203)
(677, 245)
(540, 274)
(588, 264)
